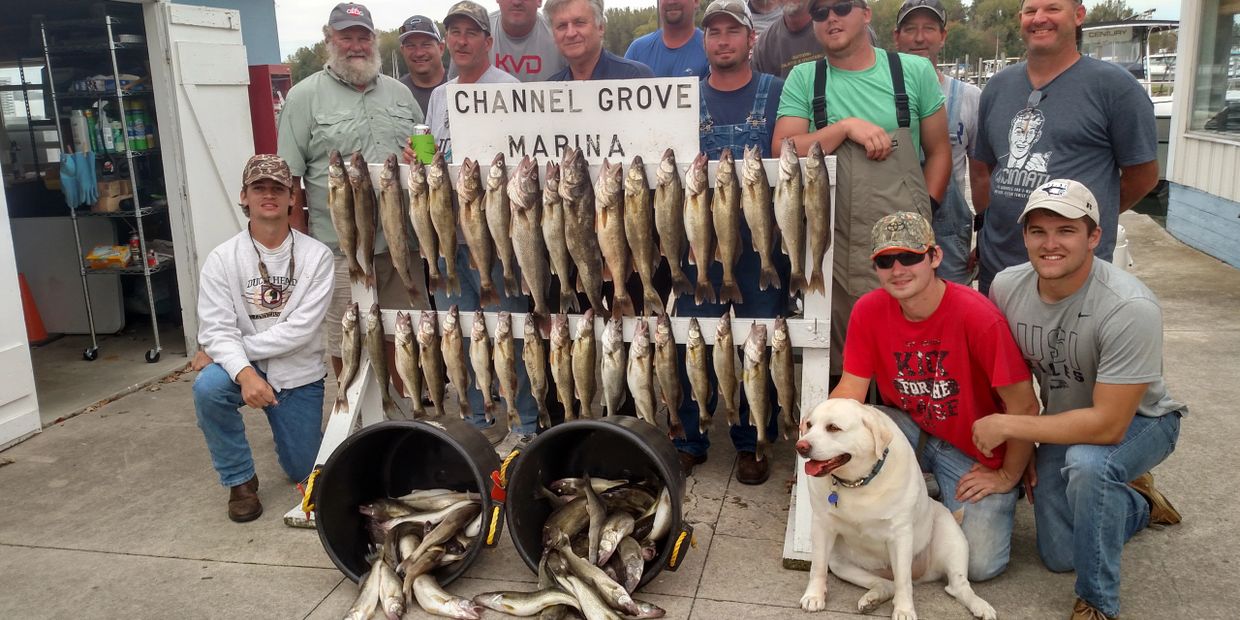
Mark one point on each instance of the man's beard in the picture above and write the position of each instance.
(353, 70)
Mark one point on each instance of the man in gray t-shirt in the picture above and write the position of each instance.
(1092, 335)
(788, 42)
(523, 45)
(421, 45)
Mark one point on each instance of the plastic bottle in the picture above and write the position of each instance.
(77, 126)
(91, 137)
(137, 124)
(106, 125)
(118, 136)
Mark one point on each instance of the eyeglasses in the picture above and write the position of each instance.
(908, 259)
(821, 13)
(1031, 104)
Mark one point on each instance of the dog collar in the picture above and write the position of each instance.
(852, 484)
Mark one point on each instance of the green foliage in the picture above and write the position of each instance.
(307, 60)
(624, 25)
(1108, 11)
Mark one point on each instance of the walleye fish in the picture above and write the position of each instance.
(368, 594)
(698, 227)
(639, 375)
(434, 599)
(548, 582)
(756, 205)
(613, 366)
(616, 527)
(413, 567)
(378, 360)
(639, 217)
(432, 363)
(407, 362)
(782, 371)
(565, 523)
(562, 364)
(818, 216)
(613, 593)
(591, 603)
(480, 361)
(534, 354)
(427, 518)
(725, 215)
(393, 214)
(579, 226)
(423, 224)
(755, 376)
(525, 603)
(436, 499)
(662, 511)
(609, 224)
(469, 195)
(669, 219)
(363, 213)
(499, 222)
(727, 370)
(350, 348)
(598, 515)
(527, 234)
(506, 367)
(667, 370)
(443, 216)
(630, 552)
(449, 526)
(340, 206)
(699, 376)
(790, 215)
(451, 346)
(585, 364)
(391, 599)
(553, 236)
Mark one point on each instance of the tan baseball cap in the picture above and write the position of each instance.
(904, 231)
(738, 10)
(266, 166)
(1066, 197)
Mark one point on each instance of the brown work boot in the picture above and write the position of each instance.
(749, 470)
(243, 504)
(1084, 611)
(687, 461)
(1161, 510)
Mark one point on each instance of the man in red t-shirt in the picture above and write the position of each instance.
(943, 356)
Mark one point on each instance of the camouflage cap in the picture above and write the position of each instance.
(266, 166)
(903, 230)
(737, 10)
(472, 10)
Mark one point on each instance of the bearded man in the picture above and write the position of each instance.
(347, 107)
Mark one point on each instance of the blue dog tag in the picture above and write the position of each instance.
(833, 498)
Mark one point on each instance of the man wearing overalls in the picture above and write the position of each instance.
(737, 110)
(921, 29)
(877, 112)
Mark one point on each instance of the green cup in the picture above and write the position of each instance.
(423, 146)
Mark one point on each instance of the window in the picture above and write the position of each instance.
(1216, 95)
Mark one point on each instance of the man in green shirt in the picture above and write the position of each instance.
(878, 121)
(348, 106)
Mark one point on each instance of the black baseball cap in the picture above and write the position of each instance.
(419, 24)
(934, 6)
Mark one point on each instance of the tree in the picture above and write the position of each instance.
(1000, 21)
(307, 60)
(624, 25)
(1109, 11)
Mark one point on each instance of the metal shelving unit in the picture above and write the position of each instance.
(138, 212)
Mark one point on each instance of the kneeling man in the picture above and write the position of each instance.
(263, 295)
(943, 357)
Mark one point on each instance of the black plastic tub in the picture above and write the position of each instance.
(616, 447)
(389, 459)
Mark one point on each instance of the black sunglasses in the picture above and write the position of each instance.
(908, 259)
(821, 13)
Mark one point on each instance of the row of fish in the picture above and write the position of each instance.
(600, 232)
(581, 367)
(416, 534)
(598, 541)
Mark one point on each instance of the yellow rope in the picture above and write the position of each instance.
(306, 505)
(494, 525)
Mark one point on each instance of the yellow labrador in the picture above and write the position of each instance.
(873, 524)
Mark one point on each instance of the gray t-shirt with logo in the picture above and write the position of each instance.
(779, 49)
(1092, 119)
(1109, 331)
(532, 58)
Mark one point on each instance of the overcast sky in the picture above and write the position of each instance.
(300, 22)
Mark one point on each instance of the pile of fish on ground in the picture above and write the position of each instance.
(416, 534)
(603, 232)
(596, 544)
(582, 368)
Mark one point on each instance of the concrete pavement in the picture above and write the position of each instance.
(116, 513)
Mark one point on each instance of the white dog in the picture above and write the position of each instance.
(873, 524)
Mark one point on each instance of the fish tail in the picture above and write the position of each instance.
(730, 291)
(704, 292)
(705, 420)
(356, 274)
(763, 446)
(654, 303)
(624, 303)
(768, 278)
(342, 403)
(734, 417)
(798, 283)
(488, 296)
(785, 418)
(568, 301)
(544, 416)
(488, 410)
(680, 282)
(512, 288)
(818, 282)
(514, 420)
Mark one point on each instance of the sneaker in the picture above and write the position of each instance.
(749, 470)
(687, 461)
(495, 433)
(1161, 510)
(243, 504)
(1084, 611)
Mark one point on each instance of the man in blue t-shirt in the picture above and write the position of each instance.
(675, 50)
(737, 110)
(1059, 114)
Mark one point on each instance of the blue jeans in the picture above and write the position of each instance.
(467, 302)
(296, 425)
(987, 522)
(953, 232)
(1085, 510)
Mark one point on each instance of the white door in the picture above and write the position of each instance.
(199, 65)
(19, 408)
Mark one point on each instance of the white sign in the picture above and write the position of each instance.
(613, 119)
(1101, 36)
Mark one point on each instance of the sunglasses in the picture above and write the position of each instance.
(822, 13)
(908, 259)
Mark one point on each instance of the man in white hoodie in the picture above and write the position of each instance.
(263, 295)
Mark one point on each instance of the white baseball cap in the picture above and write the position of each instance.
(1066, 197)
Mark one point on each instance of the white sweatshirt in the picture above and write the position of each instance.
(241, 320)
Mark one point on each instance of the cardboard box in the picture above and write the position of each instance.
(111, 193)
(105, 256)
